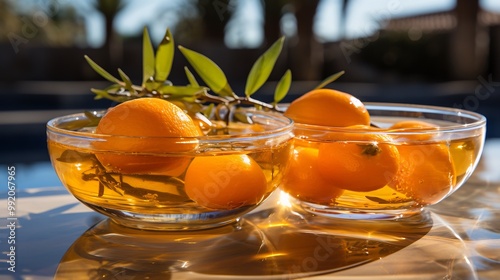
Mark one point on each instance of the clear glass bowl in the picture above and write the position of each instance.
(382, 172)
(230, 173)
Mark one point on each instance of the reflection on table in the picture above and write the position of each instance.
(280, 242)
(457, 239)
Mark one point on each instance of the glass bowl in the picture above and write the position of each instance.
(383, 172)
(203, 182)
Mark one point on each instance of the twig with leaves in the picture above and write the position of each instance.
(157, 67)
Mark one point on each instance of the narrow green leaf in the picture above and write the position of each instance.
(208, 110)
(262, 67)
(152, 85)
(192, 80)
(164, 57)
(100, 93)
(148, 57)
(209, 72)
(104, 94)
(242, 117)
(101, 71)
(180, 91)
(283, 86)
(330, 79)
(126, 80)
(91, 116)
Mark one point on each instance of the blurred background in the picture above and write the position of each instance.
(437, 52)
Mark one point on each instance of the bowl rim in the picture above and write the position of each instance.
(479, 120)
(287, 128)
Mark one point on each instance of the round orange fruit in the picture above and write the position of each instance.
(137, 133)
(359, 162)
(426, 172)
(414, 129)
(303, 181)
(328, 107)
(225, 181)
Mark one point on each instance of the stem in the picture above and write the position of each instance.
(203, 97)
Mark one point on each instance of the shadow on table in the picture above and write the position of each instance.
(41, 239)
(270, 244)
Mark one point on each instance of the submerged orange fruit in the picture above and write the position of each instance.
(303, 181)
(412, 124)
(358, 161)
(415, 129)
(426, 172)
(225, 181)
(139, 131)
(329, 108)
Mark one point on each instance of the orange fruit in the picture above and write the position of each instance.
(426, 172)
(225, 181)
(416, 126)
(139, 129)
(303, 181)
(359, 161)
(412, 124)
(328, 107)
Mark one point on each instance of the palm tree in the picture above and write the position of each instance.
(464, 52)
(203, 20)
(109, 9)
(306, 56)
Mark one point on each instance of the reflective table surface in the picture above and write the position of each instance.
(56, 237)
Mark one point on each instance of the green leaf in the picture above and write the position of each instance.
(164, 57)
(99, 93)
(126, 80)
(262, 67)
(242, 117)
(208, 110)
(148, 57)
(152, 85)
(101, 71)
(192, 80)
(209, 72)
(283, 86)
(92, 116)
(105, 94)
(330, 79)
(180, 91)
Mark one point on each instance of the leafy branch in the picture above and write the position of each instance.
(106, 179)
(157, 66)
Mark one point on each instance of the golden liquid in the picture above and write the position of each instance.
(463, 155)
(95, 185)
